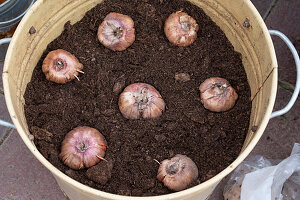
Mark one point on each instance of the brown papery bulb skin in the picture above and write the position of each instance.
(141, 100)
(61, 66)
(181, 29)
(116, 32)
(83, 147)
(178, 172)
(217, 95)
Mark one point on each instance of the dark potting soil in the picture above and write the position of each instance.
(211, 140)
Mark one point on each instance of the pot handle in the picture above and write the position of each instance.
(4, 123)
(297, 61)
(5, 40)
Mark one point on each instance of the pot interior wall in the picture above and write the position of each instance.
(252, 41)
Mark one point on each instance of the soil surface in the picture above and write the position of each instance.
(211, 140)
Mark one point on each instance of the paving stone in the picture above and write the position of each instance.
(22, 176)
(218, 192)
(285, 17)
(4, 131)
(4, 115)
(278, 138)
(262, 6)
(3, 50)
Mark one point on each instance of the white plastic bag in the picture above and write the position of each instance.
(285, 169)
(257, 179)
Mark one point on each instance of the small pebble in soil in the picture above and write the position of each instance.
(83, 147)
(119, 85)
(116, 32)
(160, 138)
(141, 100)
(137, 192)
(61, 66)
(181, 29)
(32, 30)
(246, 23)
(178, 172)
(217, 95)
(41, 134)
(101, 172)
(254, 128)
(182, 77)
(31, 137)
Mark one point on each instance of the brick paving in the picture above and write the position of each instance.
(263, 6)
(4, 115)
(23, 177)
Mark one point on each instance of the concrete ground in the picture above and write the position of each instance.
(22, 177)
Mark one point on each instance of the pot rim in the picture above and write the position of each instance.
(181, 194)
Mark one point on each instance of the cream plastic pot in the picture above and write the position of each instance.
(239, 20)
